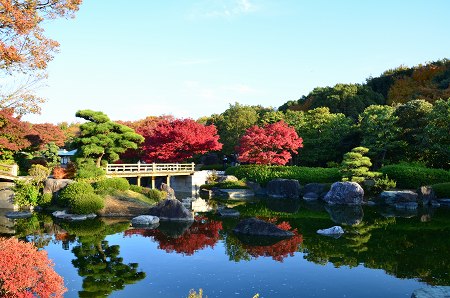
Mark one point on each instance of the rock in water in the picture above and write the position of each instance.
(170, 209)
(169, 190)
(432, 292)
(333, 231)
(350, 193)
(18, 214)
(283, 188)
(391, 197)
(145, 220)
(257, 227)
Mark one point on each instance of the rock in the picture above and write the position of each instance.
(432, 292)
(371, 203)
(444, 202)
(18, 214)
(234, 193)
(144, 220)
(406, 205)
(396, 196)
(333, 231)
(310, 196)
(53, 186)
(345, 214)
(283, 188)
(256, 187)
(7, 196)
(171, 209)
(169, 190)
(205, 193)
(74, 217)
(435, 204)
(320, 189)
(227, 178)
(257, 227)
(226, 212)
(426, 195)
(350, 193)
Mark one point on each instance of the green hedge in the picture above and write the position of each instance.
(226, 185)
(72, 191)
(263, 173)
(442, 190)
(86, 203)
(414, 176)
(110, 185)
(153, 194)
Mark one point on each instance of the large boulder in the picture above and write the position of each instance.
(168, 190)
(53, 186)
(256, 187)
(392, 197)
(283, 188)
(334, 232)
(350, 193)
(345, 214)
(257, 227)
(320, 189)
(171, 210)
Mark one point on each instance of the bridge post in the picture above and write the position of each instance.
(153, 167)
(153, 182)
(168, 180)
(138, 181)
(14, 170)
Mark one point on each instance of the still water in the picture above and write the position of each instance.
(382, 254)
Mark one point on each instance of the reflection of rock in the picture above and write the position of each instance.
(432, 292)
(444, 202)
(18, 214)
(228, 212)
(145, 220)
(406, 205)
(287, 206)
(335, 232)
(392, 212)
(74, 217)
(310, 196)
(171, 210)
(257, 227)
(350, 193)
(345, 215)
(398, 196)
(200, 205)
(320, 189)
(234, 193)
(283, 188)
(174, 229)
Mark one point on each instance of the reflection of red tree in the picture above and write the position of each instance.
(201, 234)
(279, 250)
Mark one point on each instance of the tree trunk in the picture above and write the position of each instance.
(99, 159)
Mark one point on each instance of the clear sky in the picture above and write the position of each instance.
(132, 59)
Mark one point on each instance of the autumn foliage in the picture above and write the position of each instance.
(27, 272)
(13, 132)
(177, 140)
(201, 234)
(270, 144)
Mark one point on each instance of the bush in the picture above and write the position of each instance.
(39, 173)
(225, 185)
(111, 185)
(355, 166)
(72, 191)
(64, 173)
(45, 199)
(153, 194)
(263, 173)
(87, 170)
(382, 184)
(442, 190)
(86, 203)
(25, 194)
(414, 176)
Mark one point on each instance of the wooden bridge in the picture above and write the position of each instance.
(9, 172)
(153, 170)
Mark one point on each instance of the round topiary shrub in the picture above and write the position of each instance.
(72, 191)
(110, 185)
(86, 203)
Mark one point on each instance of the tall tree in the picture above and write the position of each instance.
(437, 136)
(102, 138)
(13, 134)
(45, 133)
(178, 140)
(271, 144)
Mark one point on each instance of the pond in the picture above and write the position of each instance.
(382, 253)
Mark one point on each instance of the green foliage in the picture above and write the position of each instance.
(355, 166)
(437, 136)
(212, 177)
(263, 173)
(153, 194)
(50, 153)
(72, 191)
(25, 193)
(225, 185)
(383, 183)
(45, 200)
(86, 203)
(414, 176)
(194, 294)
(38, 173)
(442, 190)
(111, 185)
(87, 170)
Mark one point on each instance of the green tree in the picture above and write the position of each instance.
(50, 153)
(437, 138)
(326, 136)
(355, 166)
(379, 131)
(102, 138)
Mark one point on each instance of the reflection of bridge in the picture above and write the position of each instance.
(8, 172)
(153, 170)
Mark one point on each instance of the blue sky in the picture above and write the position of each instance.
(194, 58)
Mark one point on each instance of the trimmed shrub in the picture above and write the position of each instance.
(153, 194)
(414, 176)
(225, 185)
(86, 203)
(72, 191)
(87, 170)
(262, 174)
(110, 185)
(38, 172)
(25, 193)
(45, 199)
(382, 184)
(442, 190)
(355, 166)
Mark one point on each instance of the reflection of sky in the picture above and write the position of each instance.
(173, 275)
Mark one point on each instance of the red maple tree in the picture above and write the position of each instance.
(13, 132)
(179, 139)
(270, 144)
(45, 133)
(27, 272)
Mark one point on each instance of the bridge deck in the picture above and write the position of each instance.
(146, 170)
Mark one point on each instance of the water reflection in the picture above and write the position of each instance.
(345, 214)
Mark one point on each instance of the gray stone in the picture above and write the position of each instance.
(18, 214)
(168, 190)
(228, 212)
(234, 193)
(283, 188)
(444, 202)
(392, 197)
(426, 195)
(53, 186)
(310, 196)
(333, 231)
(350, 193)
(7, 196)
(432, 292)
(406, 205)
(371, 203)
(227, 178)
(144, 220)
(345, 214)
(257, 227)
(320, 189)
(256, 187)
(435, 204)
(171, 209)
